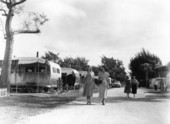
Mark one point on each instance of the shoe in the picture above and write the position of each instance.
(103, 103)
(89, 103)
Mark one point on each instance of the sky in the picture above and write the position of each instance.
(96, 28)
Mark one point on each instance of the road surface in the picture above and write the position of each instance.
(148, 107)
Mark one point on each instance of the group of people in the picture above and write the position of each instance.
(131, 86)
(103, 78)
(89, 84)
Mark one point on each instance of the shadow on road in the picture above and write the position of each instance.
(145, 99)
(148, 96)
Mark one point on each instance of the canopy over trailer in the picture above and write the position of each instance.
(70, 77)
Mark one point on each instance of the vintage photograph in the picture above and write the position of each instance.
(84, 61)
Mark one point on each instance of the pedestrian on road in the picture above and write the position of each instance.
(88, 85)
(162, 85)
(104, 77)
(127, 89)
(134, 84)
(156, 85)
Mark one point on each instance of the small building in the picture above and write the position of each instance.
(163, 75)
(162, 71)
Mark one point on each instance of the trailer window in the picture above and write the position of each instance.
(30, 69)
(56, 70)
(41, 69)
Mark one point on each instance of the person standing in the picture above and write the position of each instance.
(104, 77)
(162, 86)
(88, 85)
(134, 84)
(127, 89)
(156, 85)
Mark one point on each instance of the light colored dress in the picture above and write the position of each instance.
(103, 87)
(88, 84)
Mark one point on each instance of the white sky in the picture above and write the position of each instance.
(93, 28)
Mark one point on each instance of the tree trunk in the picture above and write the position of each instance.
(6, 69)
(147, 79)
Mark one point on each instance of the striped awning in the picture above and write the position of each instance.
(29, 60)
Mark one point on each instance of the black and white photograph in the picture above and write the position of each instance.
(84, 61)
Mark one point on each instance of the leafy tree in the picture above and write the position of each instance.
(96, 69)
(143, 65)
(79, 63)
(66, 62)
(9, 9)
(52, 57)
(114, 67)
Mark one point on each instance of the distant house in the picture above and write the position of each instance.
(162, 71)
(163, 74)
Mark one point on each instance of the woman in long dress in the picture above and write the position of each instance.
(88, 85)
(162, 86)
(104, 77)
(127, 89)
(134, 83)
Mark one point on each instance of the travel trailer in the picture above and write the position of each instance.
(31, 74)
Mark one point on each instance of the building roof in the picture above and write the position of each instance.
(162, 68)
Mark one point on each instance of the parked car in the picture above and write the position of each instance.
(116, 84)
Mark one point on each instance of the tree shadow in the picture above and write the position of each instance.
(18, 107)
(23, 106)
(120, 99)
(37, 102)
(137, 99)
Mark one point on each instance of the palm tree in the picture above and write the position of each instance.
(147, 67)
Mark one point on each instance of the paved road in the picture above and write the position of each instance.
(148, 107)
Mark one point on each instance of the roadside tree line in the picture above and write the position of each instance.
(114, 66)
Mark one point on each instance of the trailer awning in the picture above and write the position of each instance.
(29, 60)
